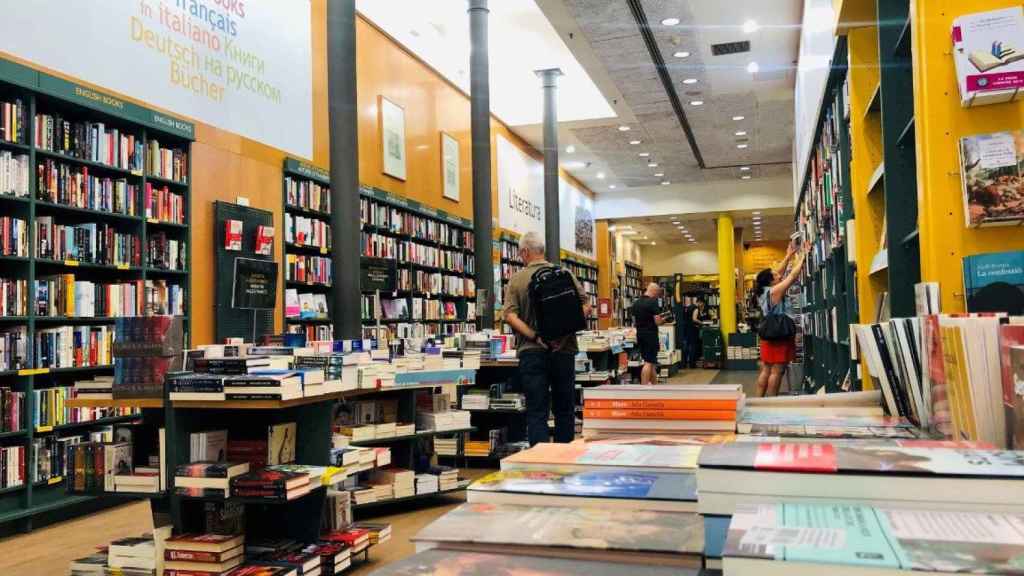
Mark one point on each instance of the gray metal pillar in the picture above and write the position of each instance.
(341, 100)
(549, 80)
(480, 129)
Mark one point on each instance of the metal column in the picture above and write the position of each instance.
(549, 80)
(480, 128)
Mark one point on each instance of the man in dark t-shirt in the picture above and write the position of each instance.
(646, 318)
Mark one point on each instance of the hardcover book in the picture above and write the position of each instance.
(989, 63)
(217, 543)
(233, 235)
(994, 282)
(460, 563)
(267, 478)
(642, 536)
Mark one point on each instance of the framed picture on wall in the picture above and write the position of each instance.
(392, 135)
(450, 166)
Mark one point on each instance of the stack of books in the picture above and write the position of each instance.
(664, 409)
(207, 479)
(207, 554)
(379, 532)
(440, 421)
(481, 448)
(476, 400)
(133, 556)
(401, 481)
(356, 539)
(91, 565)
(272, 485)
(511, 401)
(446, 446)
(447, 477)
(363, 495)
(97, 388)
(427, 483)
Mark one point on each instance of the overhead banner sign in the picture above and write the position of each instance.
(576, 214)
(520, 190)
(244, 66)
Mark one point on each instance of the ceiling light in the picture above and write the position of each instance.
(629, 232)
(745, 177)
(682, 54)
(644, 154)
(623, 128)
(738, 118)
(750, 26)
(576, 164)
(747, 169)
(654, 243)
(690, 81)
(741, 146)
(665, 183)
(611, 187)
(670, 22)
(570, 149)
(753, 68)
(659, 174)
(600, 175)
(696, 102)
(756, 212)
(634, 142)
(652, 164)
(741, 132)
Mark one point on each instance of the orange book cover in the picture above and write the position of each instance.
(611, 414)
(681, 404)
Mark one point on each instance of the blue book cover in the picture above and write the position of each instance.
(716, 530)
(995, 282)
(593, 484)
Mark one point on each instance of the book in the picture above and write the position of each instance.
(915, 473)
(673, 392)
(208, 446)
(264, 240)
(271, 479)
(260, 570)
(988, 64)
(990, 174)
(216, 475)
(1011, 360)
(994, 282)
(657, 414)
(591, 456)
(605, 489)
(653, 404)
(847, 539)
(462, 563)
(212, 543)
(233, 235)
(213, 567)
(201, 556)
(637, 536)
(281, 443)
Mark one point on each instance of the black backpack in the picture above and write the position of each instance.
(775, 326)
(557, 308)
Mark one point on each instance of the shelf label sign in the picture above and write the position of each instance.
(242, 66)
(520, 190)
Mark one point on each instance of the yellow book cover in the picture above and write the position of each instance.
(965, 393)
(950, 337)
(69, 294)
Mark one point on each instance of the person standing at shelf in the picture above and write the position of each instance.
(547, 370)
(691, 327)
(772, 285)
(647, 316)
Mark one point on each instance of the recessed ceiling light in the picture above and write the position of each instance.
(644, 154)
(756, 212)
(745, 177)
(652, 164)
(753, 67)
(611, 187)
(634, 142)
(623, 128)
(665, 183)
(670, 22)
(654, 243)
(690, 81)
(750, 26)
(600, 175)
(696, 102)
(682, 54)
(741, 132)
(570, 149)
(659, 174)
(741, 146)
(746, 169)
(738, 118)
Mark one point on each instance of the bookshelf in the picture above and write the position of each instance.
(510, 261)
(432, 253)
(306, 199)
(116, 177)
(585, 271)
(632, 288)
(827, 291)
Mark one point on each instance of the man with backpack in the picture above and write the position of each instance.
(545, 306)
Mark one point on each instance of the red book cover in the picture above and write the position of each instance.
(270, 479)
(200, 556)
(349, 537)
(799, 457)
(264, 240)
(233, 235)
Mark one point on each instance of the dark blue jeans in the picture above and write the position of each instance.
(549, 382)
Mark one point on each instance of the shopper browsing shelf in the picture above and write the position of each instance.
(647, 317)
(545, 314)
(777, 331)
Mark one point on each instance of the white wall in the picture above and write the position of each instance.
(666, 260)
(817, 45)
(718, 196)
(626, 249)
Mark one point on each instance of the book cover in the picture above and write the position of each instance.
(601, 484)
(204, 542)
(267, 478)
(994, 282)
(654, 404)
(292, 306)
(989, 66)
(281, 443)
(553, 526)
(459, 563)
(1011, 360)
(990, 173)
(211, 469)
(233, 235)
(658, 414)
(680, 457)
(906, 457)
(264, 240)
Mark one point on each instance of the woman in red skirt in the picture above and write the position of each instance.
(772, 286)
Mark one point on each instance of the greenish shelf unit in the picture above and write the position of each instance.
(828, 283)
(42, 500)
(303, 186)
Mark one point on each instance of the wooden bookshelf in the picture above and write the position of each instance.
(632, 288)
(62, 101)
(306, 196)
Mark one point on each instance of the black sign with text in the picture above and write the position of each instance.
(255, 284)
(378, 274)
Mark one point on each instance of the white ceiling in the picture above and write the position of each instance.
(686, 229)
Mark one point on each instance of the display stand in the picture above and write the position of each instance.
(44, 499)
(231, 322)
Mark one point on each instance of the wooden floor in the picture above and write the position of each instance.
(47, 551)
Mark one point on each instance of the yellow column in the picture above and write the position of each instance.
(605, 269)
(726, 275)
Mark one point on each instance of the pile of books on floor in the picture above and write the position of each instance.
(663, 409)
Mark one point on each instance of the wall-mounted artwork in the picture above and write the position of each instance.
(392, 134)
(450, 166)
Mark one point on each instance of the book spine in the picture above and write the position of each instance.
(661, 404)
(723, 415)
(192, 556)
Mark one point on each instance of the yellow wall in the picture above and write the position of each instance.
(940, 122)
(763, 255)
(226, 165)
